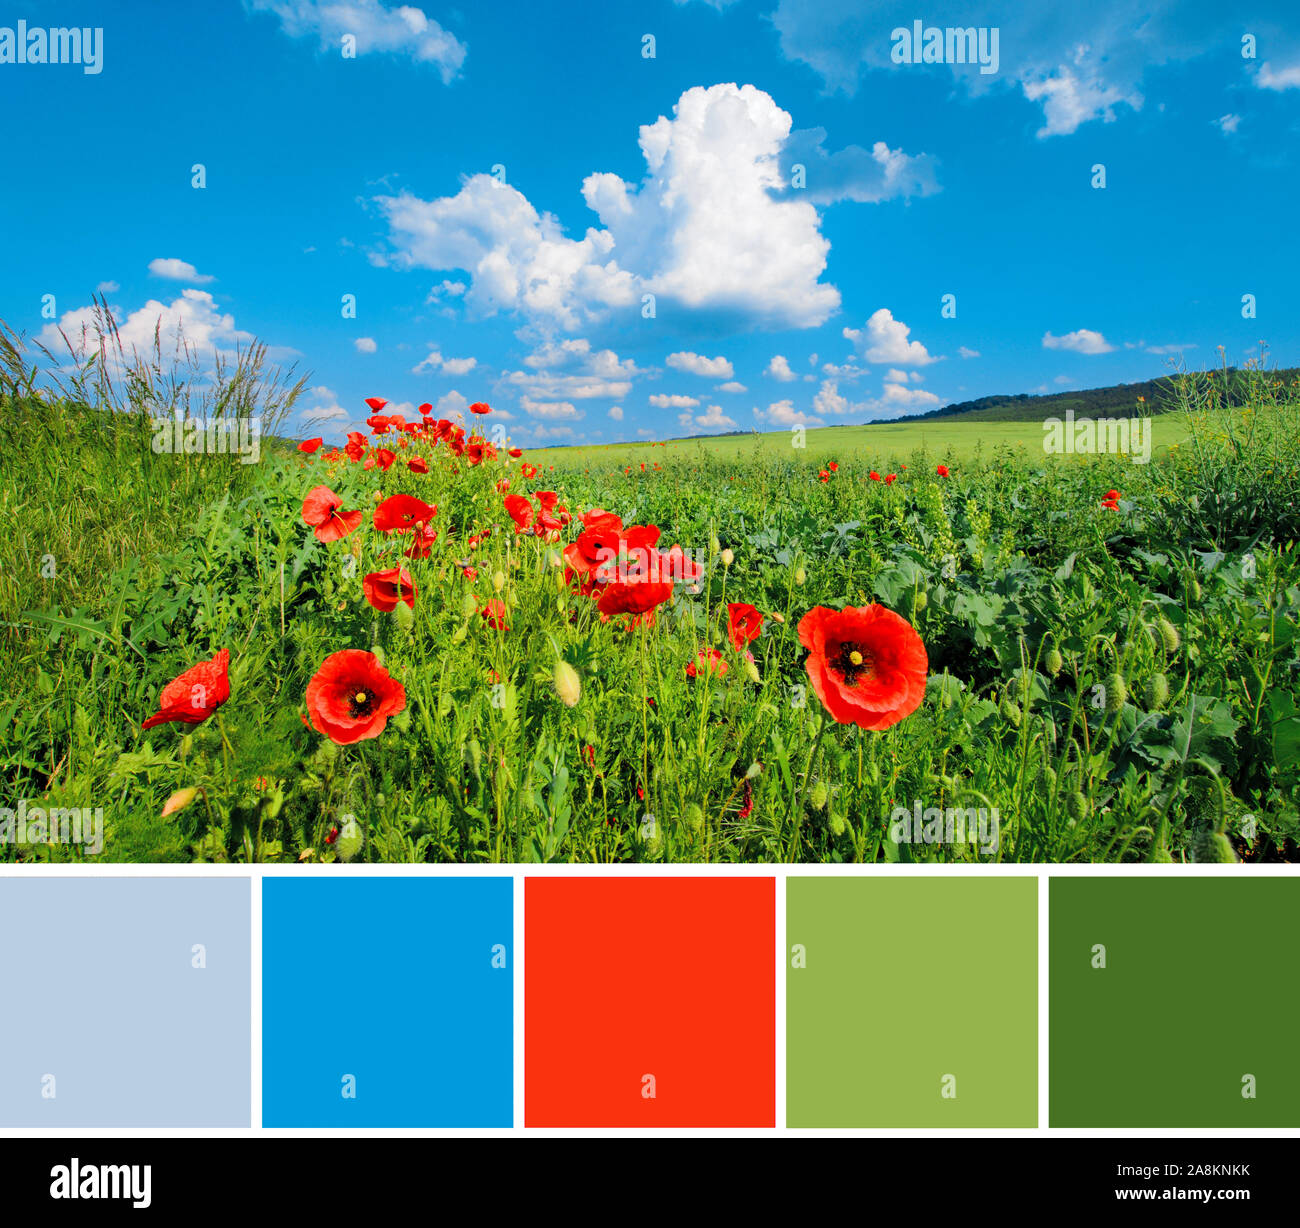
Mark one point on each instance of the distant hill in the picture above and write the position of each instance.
(1116, 401)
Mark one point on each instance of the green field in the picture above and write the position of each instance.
(1103, 678)
(885, 446)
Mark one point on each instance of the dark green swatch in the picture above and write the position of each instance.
(913, 987)
(1201, 989)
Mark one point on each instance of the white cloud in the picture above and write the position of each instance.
(662, 400)
(886, 340)
(435, 361)
(572, 370)
(172, 269)
(783, 413)
(548, 409)
(107, 287)
(1170, 349)
(1270, 78)
(321, 409)
(697, 364)
(365, 345)
(897, 399)
(193, 319)
(1069, 100)
(965, 352)
(404, 30)
(616, 412)
(712, 419)
(1081, 341)
(451, 404)
(1228, 124)
(779, 368)
(1063, 379)
(1079, 63)
(854, 173)
(732, 386)
(701, 230)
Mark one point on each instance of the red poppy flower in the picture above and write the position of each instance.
(376, 403)
(867, 664)
(426, 408)
(310, 445)
(1112, 495)
(332, 835)
(516, 453)
(674, 565)
(480, 407)
(470, 573)
(384, 589)
(417, 464)
(384, 459)
(874, 476)
(942, 471)
(401, 513)
(744, 623)
(494, 614)
(711, 661)
(352, 696)
(890, 479)
(196, 694)
(520, 511)
(528, 470)
(421, 543)
(834, 466)
(322, 510)
(825, 477)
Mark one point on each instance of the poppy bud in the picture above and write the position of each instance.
(1169, 634)
(754, 771)
(1213, 847)
(800, 575)
(694, 817)
(714, 545)
(1054, 662)
(568, 686)
(498, 581)
(751, 672)
(404, 616)
(1076, 806)
(819, 795)
(179, 800)
(1156, 694)
(837, 824)
(468, 604)
(728, 557)
(1116, 692)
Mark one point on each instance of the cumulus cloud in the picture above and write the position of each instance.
(1079, 64)
(107, 287)
(732, 386)
(897, 399)
(783, 413)
(779, 368)
(1228, 124)
(886, 340)
(697, 364)
(435, 361)
(712, 419)
(171, 269)
(662, 400)
(548, 409)
(1284, 78)
(365, 345)
(572, 370)
(1081, 341)
(404, 30)
(616, 412)
(853, 173)
(703, 230)
(193, 320)
(966, 352)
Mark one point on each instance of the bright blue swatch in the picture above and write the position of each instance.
(397, 989)
(108, 1020)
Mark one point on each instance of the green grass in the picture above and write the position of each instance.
(1190, 593)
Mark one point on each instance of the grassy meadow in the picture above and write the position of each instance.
(1105, 683)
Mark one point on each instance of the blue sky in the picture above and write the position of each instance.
(778, 296)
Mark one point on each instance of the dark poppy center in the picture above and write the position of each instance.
(360, 703)
(851, 661)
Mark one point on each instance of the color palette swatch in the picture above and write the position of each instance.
(649, 1002)
(127, 1002)
(911, 1002)
(1174, 1002)
(387, 1002)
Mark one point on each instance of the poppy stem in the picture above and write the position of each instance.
(795, 819)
